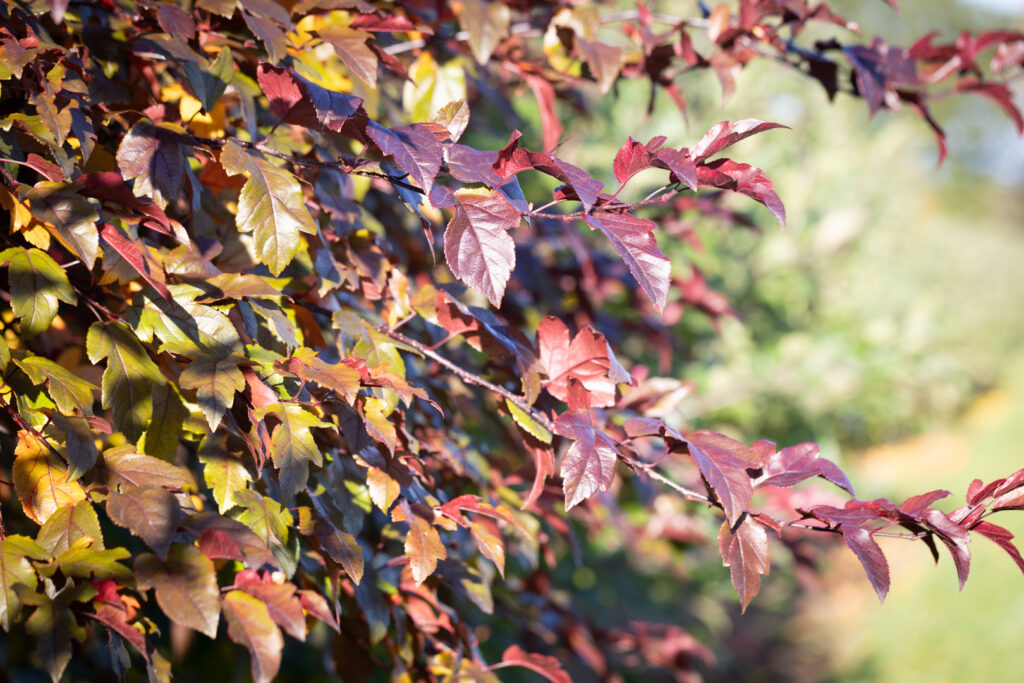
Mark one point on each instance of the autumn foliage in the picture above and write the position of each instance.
(285, 354)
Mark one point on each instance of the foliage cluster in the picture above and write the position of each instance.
(250, 373)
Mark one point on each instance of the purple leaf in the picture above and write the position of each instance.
(633, 239)
(724, 463)
(630, 160)
(582, 185)
(678, 161)
(415, 148)
(956, 539)
(1002, 538)
(470, 165)
(724, 134)
(795, 464)
(730, 175)
(745, 552)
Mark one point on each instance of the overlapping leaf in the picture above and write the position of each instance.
(185, 585)
(586, 358)
(250, 625)
(589, 464)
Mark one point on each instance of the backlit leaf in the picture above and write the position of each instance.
(281, 600)
(128, 379)
(185, 585)
(41, 480)
(164, 429)
(271, 206)
(250, 625)
(123, 467)
(152, 156)
(292, 445)
(724, 463)
(589, 464)
(69, 524)
(745, 552)
(83, 561)
(216, 381)
(587, 358)
(68, 390)
(36, 282)
(350, 45)
(224, 475)
(423, 545)
(477, 245)
(487, 24)
(724, 134)
(633, 239)
(15, 570)
(72, 215)
(545, 665)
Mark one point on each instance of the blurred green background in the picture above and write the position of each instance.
(884, 322)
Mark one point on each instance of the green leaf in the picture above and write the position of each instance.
(185, 586)
(79, 443)
(129, 377)
(164, 431)
(184, 327)
(529, 425)
(72, 215)
(68, 390)
(69, 524)
(37, 282)
(150, 512)
(216, 381)
(292, 446)
(123, 467)
(15, 570)
(210, 81)
(269, 521)
(83, 561)
(224, 475)
(5, 354)
(250, 625)
(270, 205)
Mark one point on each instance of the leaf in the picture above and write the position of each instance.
(724, 134)
(281, 600)
(631, 158)
(36, 283)
(1002, 538)
(487, 24)
(455, 117)
(477, 245)
(210, 83)
(163, 434)
(224, 538)
(724, 463)
(288, 99)
(270, 522)
(745, 552)
(605, 61)
(68, 390)
(341, 546)
(544, 93)
(340, 378)
(589, 464)
(216, 382)
(415, 148)
(184, 326)
(54, 627)
(331, 109)
(528, 424)
(15, 570)
(350, 46)
(69, 524)
(83, 561)
(250, 625)
(955, 539)
(185, 585)
(633, 239)
(270, 206)
(423, 545)
(858, 538)
(315, 605)
(582, 186)
(122, 467)
(545, 665)
(153, 157)
(292, 445)
(729, 175)
(794, 464)
(41, 480)
(224, 475)
(150, 512)
(587, 359)
(128, 379)
(384, 489)
(140, 261)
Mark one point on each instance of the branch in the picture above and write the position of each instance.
(467, 376)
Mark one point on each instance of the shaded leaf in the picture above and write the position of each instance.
(745, 552)
(15, 570)
(271, 206)
(150, 512)
(415, 148)
(955, 539)
(36, 283)
(122, 467)
(633, 239)
(164, 430)
(589, 464)
(341, 546)
(185, 585)
(729, 175)
(68, 390)
(250, 625)
(73, 216)
(340, 378)
(79, 443)
(153, 157)
(477, 245)
(222, 537)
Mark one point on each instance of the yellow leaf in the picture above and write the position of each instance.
(41, 479)
(22, 220)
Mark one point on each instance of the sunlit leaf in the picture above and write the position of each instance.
(41, 480)
(128, 379)
(250, 625)
(37, 282)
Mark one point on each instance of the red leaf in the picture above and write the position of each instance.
(678, 161)
(547, 666)
(743, 178)
(724, 134)
(315, 604)
(544, 466)
(633, 239)
(630, 160)
(415, 148)
(288, 100)
(583, 187)
(794, 464)
(745, 552)
(109, 186)
(851, 523)
(915, 505)
(589, 464)
(724, 463)
(1002, 538)
(117, 621)
(587, 358)
(545, 94)
(477, 245)
(132, 254)
(999, 94)
(956, 539)
(511, 159)
(333, 108)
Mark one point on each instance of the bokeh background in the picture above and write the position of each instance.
(885, 322)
